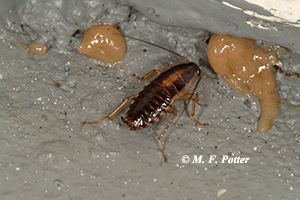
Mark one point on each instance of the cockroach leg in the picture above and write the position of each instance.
(180, 58)
(195, 98)
(162, 150)
(114, 112)
(174, 111)
(146, 76)
(288, 103)
(191, 94)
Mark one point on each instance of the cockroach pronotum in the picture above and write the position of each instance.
(158, 97)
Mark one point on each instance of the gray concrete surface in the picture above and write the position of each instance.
(47, 154)
(275, 21)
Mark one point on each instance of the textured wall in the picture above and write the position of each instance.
(47, 154)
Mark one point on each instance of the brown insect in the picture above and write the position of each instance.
(158, 97)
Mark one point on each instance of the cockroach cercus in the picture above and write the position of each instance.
(157, 98)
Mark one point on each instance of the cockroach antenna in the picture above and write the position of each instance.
(150, 43)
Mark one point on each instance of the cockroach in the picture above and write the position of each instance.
(157, 98)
